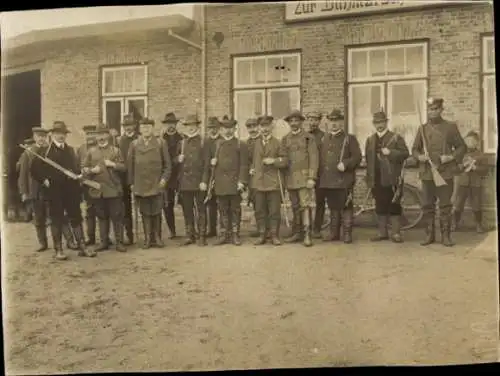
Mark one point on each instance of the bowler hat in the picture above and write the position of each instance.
(29, 141)
(170, 119)
(213, 122)
(39, 130)
(435, 102)
(129, 120)
(314, 115)
(472, 134)
(227, 122)
(101, 128)
(252, 122)
(265, 119)
(191, 119)
(295, 114)
(379, 117)
(336, 114)
(59, 127)
(146, 120)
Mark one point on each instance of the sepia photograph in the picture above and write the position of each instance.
(243, 186)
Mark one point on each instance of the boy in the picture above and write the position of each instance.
(469, 184)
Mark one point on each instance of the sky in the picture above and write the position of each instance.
(15, 23)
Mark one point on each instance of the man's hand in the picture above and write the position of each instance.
(24, 197)
(109, 163)
(386, 151)
(252, 171)
(86, 170)
(95, 170)
(203, 187)
(131, 187)
(162, 183)
(46, 183)
(341, 167)
(213, 162)
(241, 186)
(268, 161)
(310, 183)
(423, 158)
(446, 159)
(180, 158)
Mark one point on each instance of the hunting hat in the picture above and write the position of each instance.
(191, 120)
(59, 127)
(129, 120)
(227, 122)
(170, 119)
(39, 130)
(265, 119)
(213, 122)
(336, 114)
(472, 134)
(380, 117)
(89, 128)
(314, 115)
(101, 128)
(435, 102)
(252, 122)
(146, 120)
(29, 141)
(295, 114)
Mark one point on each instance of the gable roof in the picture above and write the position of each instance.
(176, 23)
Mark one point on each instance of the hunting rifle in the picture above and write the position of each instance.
(68, 173)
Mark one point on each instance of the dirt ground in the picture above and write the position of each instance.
(190, 308)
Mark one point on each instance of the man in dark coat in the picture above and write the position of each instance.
(469, 183)
(213, 127)
(228, 158)
(148, 167)
(302, 154)
(191, 162)
(31, 191)
(438, 143)
(103, 164)
(129, 135)
(63, 193)
(385, 153)
(266, 178)
(253, 136)
(340, 156)
(173, 139)
(27, 205)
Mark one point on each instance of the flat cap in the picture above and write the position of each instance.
(336, 114)
(435, 101)
(295, 114)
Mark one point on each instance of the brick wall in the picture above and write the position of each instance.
(71, 75)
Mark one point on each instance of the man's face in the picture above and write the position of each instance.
(314, 123)
(295, 123)
(434, 111)
(129, 129)
(380, 126)
(213, 131)
(253, 130)
(227, 132)
(471, 142)
(170, 128)
(40, 138)
(146, 130)
(59, 137)
(190, 129)
(265, 128)
(114, 132)
(102, 139)
(336, 125)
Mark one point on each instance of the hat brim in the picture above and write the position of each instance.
(335, 118)
(170, 121)
(290, 117)
(377, 121)
(58, 130)
(191, 123)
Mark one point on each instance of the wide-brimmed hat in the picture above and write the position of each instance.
(191, 120)
(213, 122)
(265, 119)
(227, 122)
(129, 120)
(101, 128)
(435, 102)
(89, 128)
(380, 117)
(336, 114)
(39, 130)
(59, 127)
(147, 121)
(314, 115)
(252, 122)
(295, 114)
(170, 119)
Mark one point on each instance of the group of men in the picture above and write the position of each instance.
(207, 175)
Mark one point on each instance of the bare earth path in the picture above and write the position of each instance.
(247, 307)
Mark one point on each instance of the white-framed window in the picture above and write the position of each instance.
(124, 91)
(489, 107)
(388, 77)
(266, 84)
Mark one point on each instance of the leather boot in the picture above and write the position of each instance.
(41, 234)
(118, 230)
(170, 224)
(430, 231)
(261, 231)
(90, 222)
(306, 220)
(383, 234)
(156, 239)
(236, 235)
(396, 229)
(69, 237)
(129, 231)
(80, 240)
(190, 235)
(57, 240)
(296, 229)
(478, 217)
(347, 222)
(103, 235)
(334, 228)
(146, 225)
(445, 223)
(275, 239)
(457, 216)
(202, 239)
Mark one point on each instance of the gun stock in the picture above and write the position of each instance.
(436, 176)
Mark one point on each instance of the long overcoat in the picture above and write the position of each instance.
(265, 177)
(302, 154)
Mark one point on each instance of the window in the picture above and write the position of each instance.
(124, 91)
(490, 135)
(266, 84)
(393, 78)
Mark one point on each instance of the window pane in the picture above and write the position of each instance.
(415, 60)
(405, 100)
(243, 75)
(364, 101)
(291, 70)
(128, 80)
(377, 63)
(490, 54)
(118, 81)
(136, 107)
(113, 114)
(395, 61)
(274, 69)
(490, 114)
(247, 105)
(280, 103)
(359, 64)
(139, 80)
(259, 71)
(108, 82)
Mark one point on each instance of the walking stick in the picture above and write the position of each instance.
(136, 216)
(283, 206)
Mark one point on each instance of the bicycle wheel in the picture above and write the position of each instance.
(412, 207)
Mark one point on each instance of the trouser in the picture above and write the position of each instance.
(319, 216)
(65, 209)
(127, 210)
(471, 193)
(168, 209)
(150, 208)
(110, 210)
(383, 201)
(301, 200)
(40, 214)
(212, 212)
(230, 213)
(268, 211)
(341, 212)
(90, 219)
(430, 194)
(192, 203)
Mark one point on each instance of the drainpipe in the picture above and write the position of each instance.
(203, 70)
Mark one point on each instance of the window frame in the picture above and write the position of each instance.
(350, 90)
(117, 68)
(486, 74)
(123, 102)
(235, 100)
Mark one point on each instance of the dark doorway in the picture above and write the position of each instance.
(21, 112)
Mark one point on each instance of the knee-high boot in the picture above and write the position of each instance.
(80, 240)
(41, 234)
(347, 223)
(396, 229)
(103, 235)
(334, 228)
(306, 220)
(297, 230)
(430, 229)
(383, 233)
(146, 225)
(57, 240)
(69, 237)
(90, 222)
(478, 217)
(118, 230)
(156, 237)
(445, 222)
